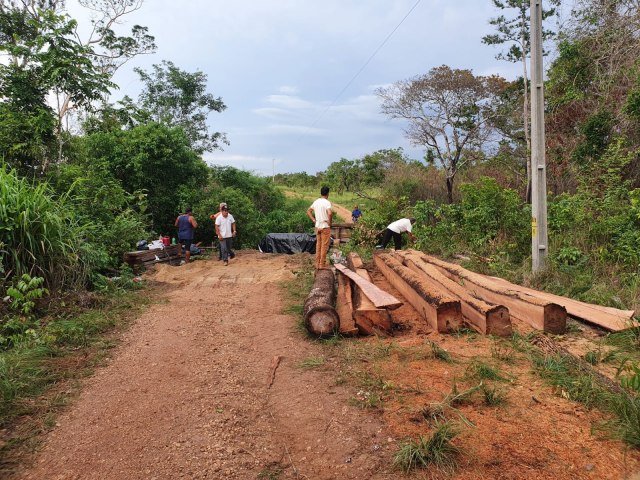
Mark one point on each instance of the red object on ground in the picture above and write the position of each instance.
(166, 241)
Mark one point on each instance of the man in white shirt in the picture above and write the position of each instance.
(226, 231)
(321, 215)
(395, 230)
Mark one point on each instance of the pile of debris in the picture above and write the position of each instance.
(447, 297)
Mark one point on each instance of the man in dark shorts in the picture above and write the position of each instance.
(186, 225)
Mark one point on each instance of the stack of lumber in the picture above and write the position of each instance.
(438, 307)
(488, 302)
(341, 232)
(361, 305)
(145, 258)
(484, 317)
(320, 317)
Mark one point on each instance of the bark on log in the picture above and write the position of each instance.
(609, 318)
(379, 297)
(488, 319)
(437, 307)
(344, 306)
(550, 347)
(540, 314)
(320, 317)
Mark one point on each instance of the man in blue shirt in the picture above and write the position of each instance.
(186, 225)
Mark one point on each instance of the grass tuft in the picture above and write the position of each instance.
(440, 353)
(493, 397)
(311, 362)
(436, 450)
(483, 371)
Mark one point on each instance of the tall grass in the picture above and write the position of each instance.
(38, 234)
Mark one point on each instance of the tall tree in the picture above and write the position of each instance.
(40, 55)
(449, 112)
(174, 97)
(38, 37)
(514, 32)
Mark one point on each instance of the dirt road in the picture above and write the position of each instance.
(188, 395)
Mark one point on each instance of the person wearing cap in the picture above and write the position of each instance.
(395, 230)
(226, 231)
(213, 217)
(321, 215)
(186, 225)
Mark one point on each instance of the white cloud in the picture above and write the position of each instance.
(279, 65)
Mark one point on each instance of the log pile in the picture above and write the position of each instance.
(486, 318)
(364, 308)
(488, 303)
(446, 295)
(146, 258)
(436, 305)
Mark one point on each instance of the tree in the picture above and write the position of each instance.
(154, 159)
(515, 32)
(343, 175)
(40, 27)
(448, 111)
(177, 98)
(41, 56)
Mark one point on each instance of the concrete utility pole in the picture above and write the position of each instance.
(273, 170)
(539, 238)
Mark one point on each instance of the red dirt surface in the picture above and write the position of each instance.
(192, 393)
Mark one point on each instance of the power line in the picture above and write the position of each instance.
(364, 65)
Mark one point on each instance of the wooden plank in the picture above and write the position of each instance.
(438, 308)
(380, 298)
(365, 312)
(142, 256)
(344, 306)
(488, 319)
(540, 314)
(608, 318)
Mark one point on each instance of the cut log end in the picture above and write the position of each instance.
(499, 322)
(555, 319)
(322, 322)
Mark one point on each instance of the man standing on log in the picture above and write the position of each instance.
(395, 230)
(321, 215)
(186, 225)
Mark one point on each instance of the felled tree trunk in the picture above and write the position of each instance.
(320, 316)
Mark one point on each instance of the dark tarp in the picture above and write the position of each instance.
(288, 243)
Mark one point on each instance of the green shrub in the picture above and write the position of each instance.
(39, 234)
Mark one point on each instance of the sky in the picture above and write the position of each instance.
(299, 77)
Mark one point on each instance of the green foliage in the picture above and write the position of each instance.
(436, 450)
(483, 371)
(176, 98)
(114, 219)
(571, 74)
(489, 220)
(45, 55)
(632, 382)
(38, 233)
(154, 159)
(24, 293)
(596, 135)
